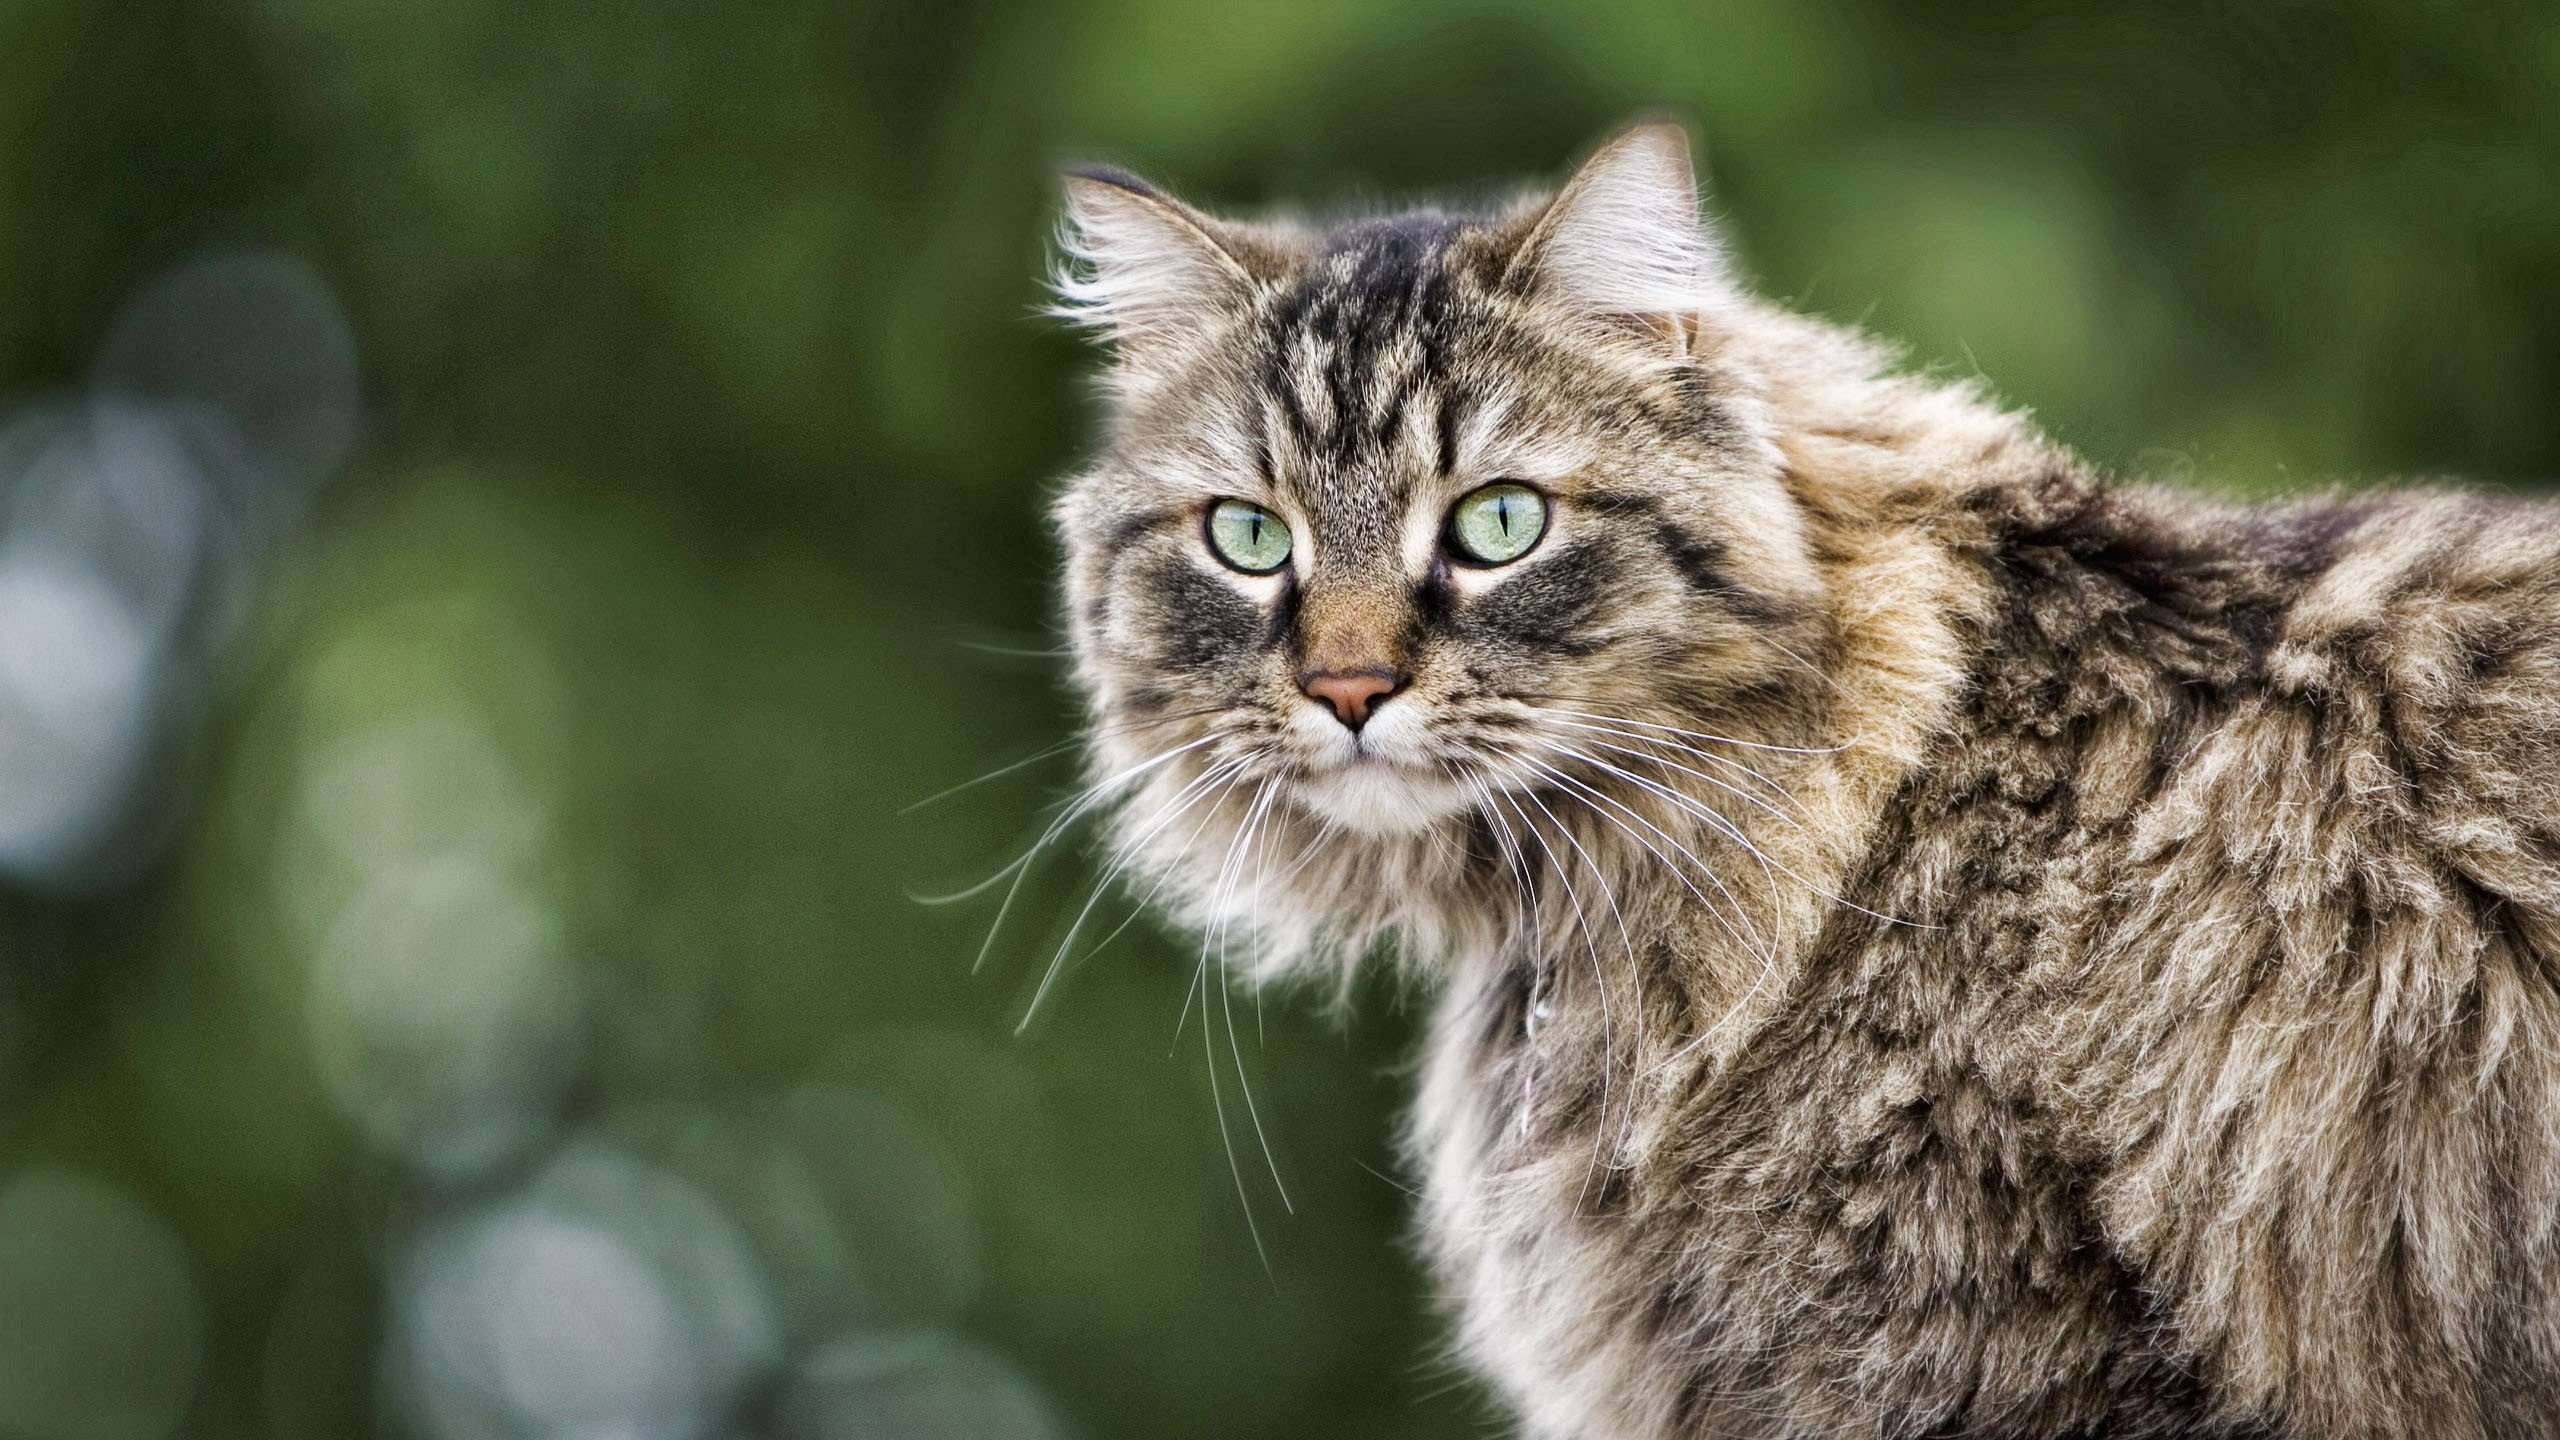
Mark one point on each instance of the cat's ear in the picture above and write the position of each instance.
(1145, 269)
(1623, 242)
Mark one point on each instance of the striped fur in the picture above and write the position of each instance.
(2099, 979)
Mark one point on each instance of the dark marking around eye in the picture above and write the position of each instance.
(1199, 620)
(1123, 532)
(1284, 616)
(1551, 603)
(1435, 600)
(1701, 562)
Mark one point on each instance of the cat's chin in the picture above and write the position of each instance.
(1377, 797)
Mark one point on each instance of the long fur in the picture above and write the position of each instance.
(1928, 940)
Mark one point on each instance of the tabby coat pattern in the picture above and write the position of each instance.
(1927, 940)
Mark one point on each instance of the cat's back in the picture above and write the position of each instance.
(2187, 1063)
(2277, 792)
(2399, 649)
(2432, 634)
(2359, 691)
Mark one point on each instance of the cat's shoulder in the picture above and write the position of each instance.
(2420, 649)
(2431, 597)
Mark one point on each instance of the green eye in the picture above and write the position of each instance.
(1498, 524)
(1248, 537)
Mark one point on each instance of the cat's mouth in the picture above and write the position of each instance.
(1369, 761)
(1378, 780)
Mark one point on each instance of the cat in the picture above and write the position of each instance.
(1926, 939)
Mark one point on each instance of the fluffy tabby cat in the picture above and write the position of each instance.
(1929, 940)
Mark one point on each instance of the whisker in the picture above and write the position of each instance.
(1226, 1138)
(1307, 852)
(998, 773)
(1021, 867)
(1228, 770)
(1226, 1004)
(1703, 735)
(1672, 745)
(1816, 671)
(1734, 832)
(1148, 899)
(1608, 1025)
(1200, 970)
(1083, 801)
(1768, 963)
(1652, 758)
(1667, 838)
(1051, 751)
(1016, 652)
(1752, 943)
(1523, 886)
(1566, 832)
(1215, 929)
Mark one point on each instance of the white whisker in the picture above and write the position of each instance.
(1156, 824)
(1508, 843)
(1693, 808)
(1674, 746)
(1725, 825)
(1245, 844)
(1752, 943)
(1211, 934)
(1226, 1003)
(1020, 868)
(1703, 735)
(1050, 751)
(1599, 978)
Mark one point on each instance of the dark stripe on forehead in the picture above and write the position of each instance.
(1375, 291)
(1408, 386)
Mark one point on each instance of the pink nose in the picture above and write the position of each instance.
(1351, 693)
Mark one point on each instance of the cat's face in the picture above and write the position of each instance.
(1416, 511)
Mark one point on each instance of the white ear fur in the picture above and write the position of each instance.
(1623, 238)
(1140, 266)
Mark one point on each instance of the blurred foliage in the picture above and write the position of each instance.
(694, 534)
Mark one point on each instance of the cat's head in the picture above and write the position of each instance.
(1399, 515)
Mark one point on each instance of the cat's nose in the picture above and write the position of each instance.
(1351, 693)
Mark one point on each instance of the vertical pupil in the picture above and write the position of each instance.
(1255, 537)
(1502, 514)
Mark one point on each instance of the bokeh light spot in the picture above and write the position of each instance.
(608, 1301)
(443, 1015)
(911, 1387)
(101, 1331)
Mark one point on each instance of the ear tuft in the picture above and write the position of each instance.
(1138, 265)
(1623, 238)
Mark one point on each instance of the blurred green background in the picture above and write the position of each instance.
(503, 507)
